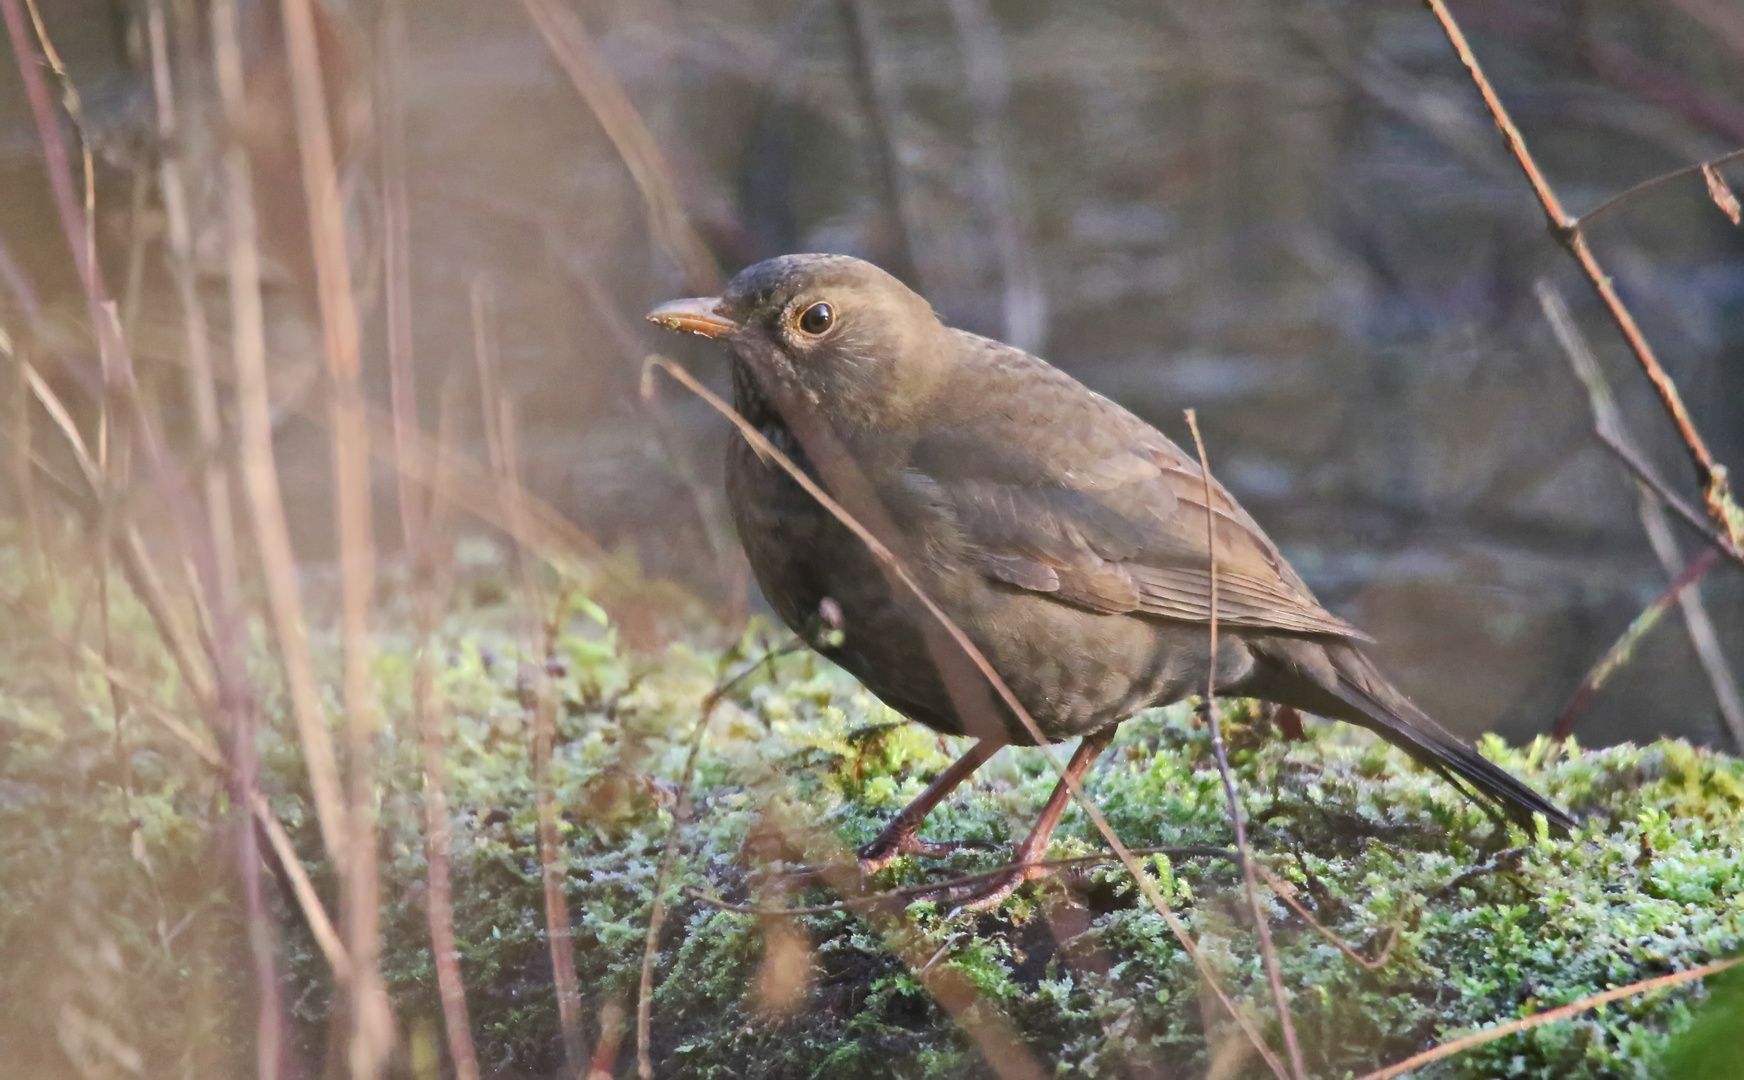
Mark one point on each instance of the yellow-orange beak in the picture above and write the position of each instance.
(697, 315)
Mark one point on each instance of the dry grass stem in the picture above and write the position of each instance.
(180, 258)
(142, 699)
(899, 571)
(730, 563)
(426, 547)
(1709, 472)
(1262, 924)
(1608, 420)
(540, 636)
(233, 703)
(397, 258)
(371, 1034)
(1512, 1027)
(893, 245)
(86, 245)
(260, 477)
(141, 569)
(541, 529)
(1287, 894)
(1623, 649)
(981, 1021)
(910, 892)
(669, 857)
(999, 186)
(569, 42)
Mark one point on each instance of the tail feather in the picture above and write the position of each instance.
(1389, 714)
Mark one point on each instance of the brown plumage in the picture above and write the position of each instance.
(1066, 536)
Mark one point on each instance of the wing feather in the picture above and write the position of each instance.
(1118, 526)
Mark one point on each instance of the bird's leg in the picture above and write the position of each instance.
(901, 837)
(1035, 845)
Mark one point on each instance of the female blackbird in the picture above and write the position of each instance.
(1064, 535)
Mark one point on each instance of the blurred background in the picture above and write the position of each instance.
(1293, 217)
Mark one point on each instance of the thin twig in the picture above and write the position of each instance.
(320, 926)
(968, 650)
(1262, 925)
(371, 1035)
(1488, 1035)
(730, 564)
(1609, 418)
(1288, 895)
(502, 448)
(1623, 648)
(421, 527)
(180, 257)
(260, 478)
(670, 225)
(894, 243)
(669, 857)
(1709, 472)
(989, 84)
(1649, 185)
(877, 899)
(1642, 471)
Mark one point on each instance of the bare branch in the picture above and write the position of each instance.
(1512, 1027)
(1709, 472)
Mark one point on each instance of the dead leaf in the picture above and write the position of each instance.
(1722, 194)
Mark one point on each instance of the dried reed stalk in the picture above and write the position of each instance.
(999, 187)
(180, 257)
(371, 1034)
(422, 529)
(569, 42)
(233, 703)
(1262, 925)
(259, 470)
(503, 448)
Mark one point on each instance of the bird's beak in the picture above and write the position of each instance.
(697, 315)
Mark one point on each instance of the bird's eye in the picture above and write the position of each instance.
(816, 319)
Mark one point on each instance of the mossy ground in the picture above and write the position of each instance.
(117, 894)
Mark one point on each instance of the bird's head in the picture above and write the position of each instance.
(848, 338)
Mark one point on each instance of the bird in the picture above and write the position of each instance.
(1070, 541)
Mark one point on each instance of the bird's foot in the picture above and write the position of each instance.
(892, 844)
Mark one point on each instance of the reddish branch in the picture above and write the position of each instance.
(1710, 473)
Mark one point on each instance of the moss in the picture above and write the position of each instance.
(1479, 922)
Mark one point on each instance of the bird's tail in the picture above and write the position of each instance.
(1381, 708)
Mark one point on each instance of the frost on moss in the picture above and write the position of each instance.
(1478, 922)
(800, 766)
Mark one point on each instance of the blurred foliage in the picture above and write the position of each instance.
(120, 940)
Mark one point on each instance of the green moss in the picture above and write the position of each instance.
(1485, 923)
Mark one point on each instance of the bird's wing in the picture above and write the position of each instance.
(1088, 503)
